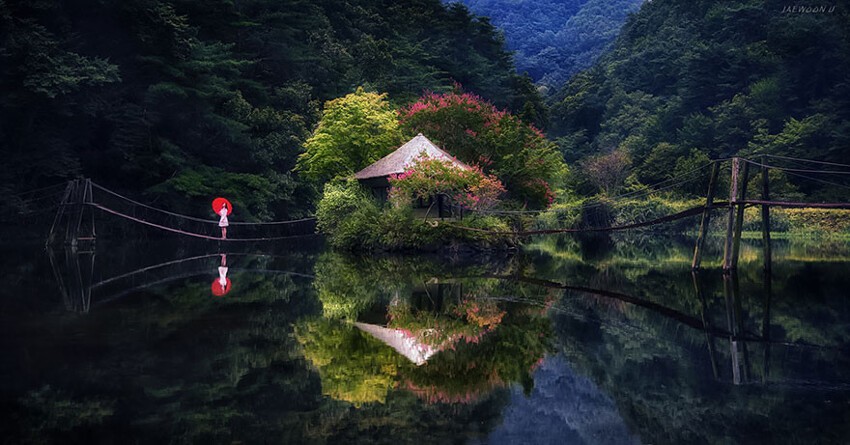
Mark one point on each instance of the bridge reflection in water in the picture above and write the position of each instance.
(728, 345)
(80, 284)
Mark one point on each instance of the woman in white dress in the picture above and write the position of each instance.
(223, 221)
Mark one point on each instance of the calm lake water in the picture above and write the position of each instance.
(593, 341)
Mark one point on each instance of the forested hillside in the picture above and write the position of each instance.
(180, 99)
(691, 80)
(554, 39)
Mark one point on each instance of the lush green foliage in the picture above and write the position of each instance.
(696, 80)
(555, 39)
(355, 131)
(354, 221)
(348, 216)
(428, 178)
(482, 341)
(477, 132)
(182, 100)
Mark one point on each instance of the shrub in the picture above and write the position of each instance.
(431, 177)
(817, 220)
(354, 221)
(347, 216)
(560, 216)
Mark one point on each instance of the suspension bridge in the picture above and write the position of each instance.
(74, 220)
(740, 172)
(76, 203)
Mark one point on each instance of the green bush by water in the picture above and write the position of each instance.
(354, 221)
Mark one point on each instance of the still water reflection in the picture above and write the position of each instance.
(591, 341)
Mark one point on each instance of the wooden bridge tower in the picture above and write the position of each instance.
(71, 222)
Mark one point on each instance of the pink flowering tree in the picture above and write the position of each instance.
(471, 188)
(519, 155)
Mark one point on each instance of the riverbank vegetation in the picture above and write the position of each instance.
(503, 161)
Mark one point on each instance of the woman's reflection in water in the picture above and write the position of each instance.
(222, 285)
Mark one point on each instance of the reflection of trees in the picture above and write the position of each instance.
(350, 285)
(482, 339)
(805, 308)
(675, 385)
(357, 368)
(52, 411)
(173, 364)
(469, 370)
(353, 366)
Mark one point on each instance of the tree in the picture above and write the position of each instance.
(609, 171)
(517, 153)
(725, 79)
(355, 131)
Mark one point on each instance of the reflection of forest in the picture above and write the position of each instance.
(784, 339)
(621, 328)
(433, 331)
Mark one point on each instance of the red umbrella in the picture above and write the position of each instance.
(218, 202)
(219, 291)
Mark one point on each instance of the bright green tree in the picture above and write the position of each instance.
(355, 131)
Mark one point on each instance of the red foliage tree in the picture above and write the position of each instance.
(478, 133)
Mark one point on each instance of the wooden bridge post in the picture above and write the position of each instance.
(75, 204)
(706, 324)
(765, 324)
(739, 221)
(735, 323)
(59, 213)
(706, 215)
(765, 218)
(730, 224)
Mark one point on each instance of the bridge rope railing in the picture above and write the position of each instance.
(114, 204)
(192, 218)
(693, 211)
(198, 264)
(695, 174)
(191, 234)
(673, 182)
(796, 172)
(802, 161)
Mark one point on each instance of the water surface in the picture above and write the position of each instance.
(610, 341)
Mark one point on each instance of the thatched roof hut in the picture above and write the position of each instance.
(401, 159)
(376, 176)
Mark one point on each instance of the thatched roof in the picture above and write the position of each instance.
(405, 156)
(408, 346)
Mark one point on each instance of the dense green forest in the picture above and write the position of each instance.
(179, 100)
(555, 39)
(688, 81)
(175, 101)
